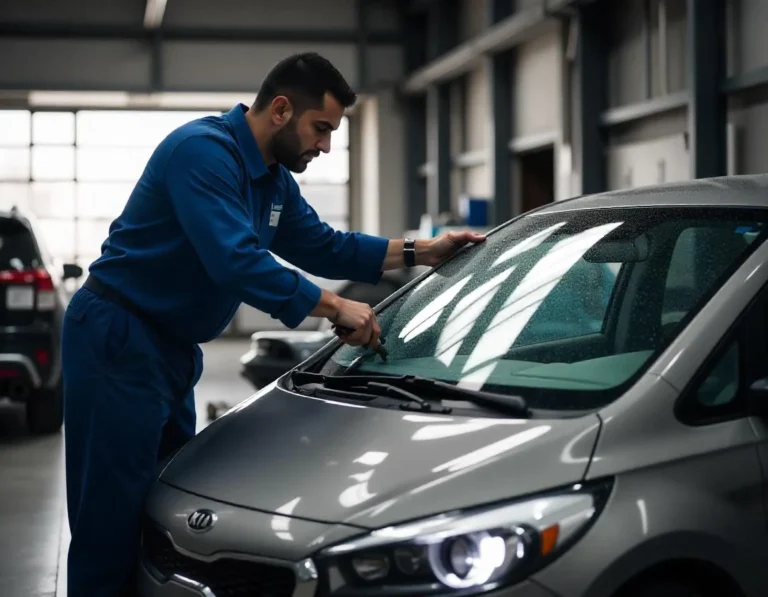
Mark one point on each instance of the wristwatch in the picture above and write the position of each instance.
(409, 252)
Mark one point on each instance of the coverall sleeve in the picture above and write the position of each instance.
(203, 180)
(307, 242)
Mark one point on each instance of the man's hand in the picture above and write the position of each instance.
(360, 318)
(445, 245)
(350, 315)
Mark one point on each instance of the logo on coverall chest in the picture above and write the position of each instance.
(274, 215)
(201, 520)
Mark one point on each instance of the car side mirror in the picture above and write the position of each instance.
(758, 398)
(72, 270)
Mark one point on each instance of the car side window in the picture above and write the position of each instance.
(720, 390)
(722, 384)
(716, 394)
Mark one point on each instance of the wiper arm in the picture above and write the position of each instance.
(368, 386)
(501, 402)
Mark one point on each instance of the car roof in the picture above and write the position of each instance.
(724, 191)
(12, 214)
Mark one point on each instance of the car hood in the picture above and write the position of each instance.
(336, 462)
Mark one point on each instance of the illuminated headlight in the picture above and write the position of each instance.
(466, 552)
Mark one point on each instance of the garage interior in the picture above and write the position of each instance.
(503, 104)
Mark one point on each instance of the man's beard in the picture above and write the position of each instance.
(286, 149)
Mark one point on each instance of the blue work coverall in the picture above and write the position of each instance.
(191, 245)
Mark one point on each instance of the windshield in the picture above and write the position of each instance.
(563, 309)
(17, 246)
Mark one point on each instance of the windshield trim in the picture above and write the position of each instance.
(603, 396)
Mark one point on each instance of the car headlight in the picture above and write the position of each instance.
(465, 552)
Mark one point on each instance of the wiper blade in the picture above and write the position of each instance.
(370, 389)
(415, 383)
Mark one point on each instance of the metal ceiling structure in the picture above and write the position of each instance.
(146, 46)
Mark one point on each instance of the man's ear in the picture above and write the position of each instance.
(281, 111)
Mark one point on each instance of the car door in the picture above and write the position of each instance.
(758, 347)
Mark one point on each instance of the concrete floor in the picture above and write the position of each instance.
(35, 535)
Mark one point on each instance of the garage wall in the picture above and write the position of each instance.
(626, 81)
(750, 138)
(262, 14)
(648, 162)
(186, 65)
(537, 85)
(477, 179)
(219, 66)
(653, 149)
(748, 115)
(473, 18)
(747, 41)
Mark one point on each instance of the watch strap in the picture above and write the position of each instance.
(409, 252)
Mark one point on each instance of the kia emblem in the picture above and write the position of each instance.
(201, 520)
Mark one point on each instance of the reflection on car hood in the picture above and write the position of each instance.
(347, 463)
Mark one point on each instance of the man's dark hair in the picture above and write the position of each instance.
(304, 79)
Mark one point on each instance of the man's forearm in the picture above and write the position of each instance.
(395, 258)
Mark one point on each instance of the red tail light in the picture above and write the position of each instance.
(43, 357)
(44, 281)
(39, 278)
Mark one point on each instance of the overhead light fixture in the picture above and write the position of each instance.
(150, 101)
(79, 99)
(153, 14)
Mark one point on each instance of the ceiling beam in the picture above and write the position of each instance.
(201, 34)
(498, 38)
(153, 13)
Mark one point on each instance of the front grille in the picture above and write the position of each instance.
(225, 577)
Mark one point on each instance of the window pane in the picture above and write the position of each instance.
(329, 200)
(102, 200)
(330, 167)
(129, 129)
(91, 234)
(721, 386)
(14, 128)
(53, 199)
(59, 237)
(53, 128)
(112, 164)
(14, 193)
(14, 163)
(53, 163)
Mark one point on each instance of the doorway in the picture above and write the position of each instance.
(537, 177)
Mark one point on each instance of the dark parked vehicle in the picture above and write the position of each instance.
(276, 352)
(32, 302)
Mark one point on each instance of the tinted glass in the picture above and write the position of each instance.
(17, 246)
(563, 308)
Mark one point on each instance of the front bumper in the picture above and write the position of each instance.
(245, 553)
(150, 586)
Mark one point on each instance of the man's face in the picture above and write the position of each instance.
(304, 137)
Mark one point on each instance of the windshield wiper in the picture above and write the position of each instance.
(370, 389)
(413, 384)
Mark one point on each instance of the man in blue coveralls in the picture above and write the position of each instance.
(191, 245)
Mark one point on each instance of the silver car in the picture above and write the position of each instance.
(576, 407)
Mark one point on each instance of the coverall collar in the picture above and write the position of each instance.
(251, 152)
